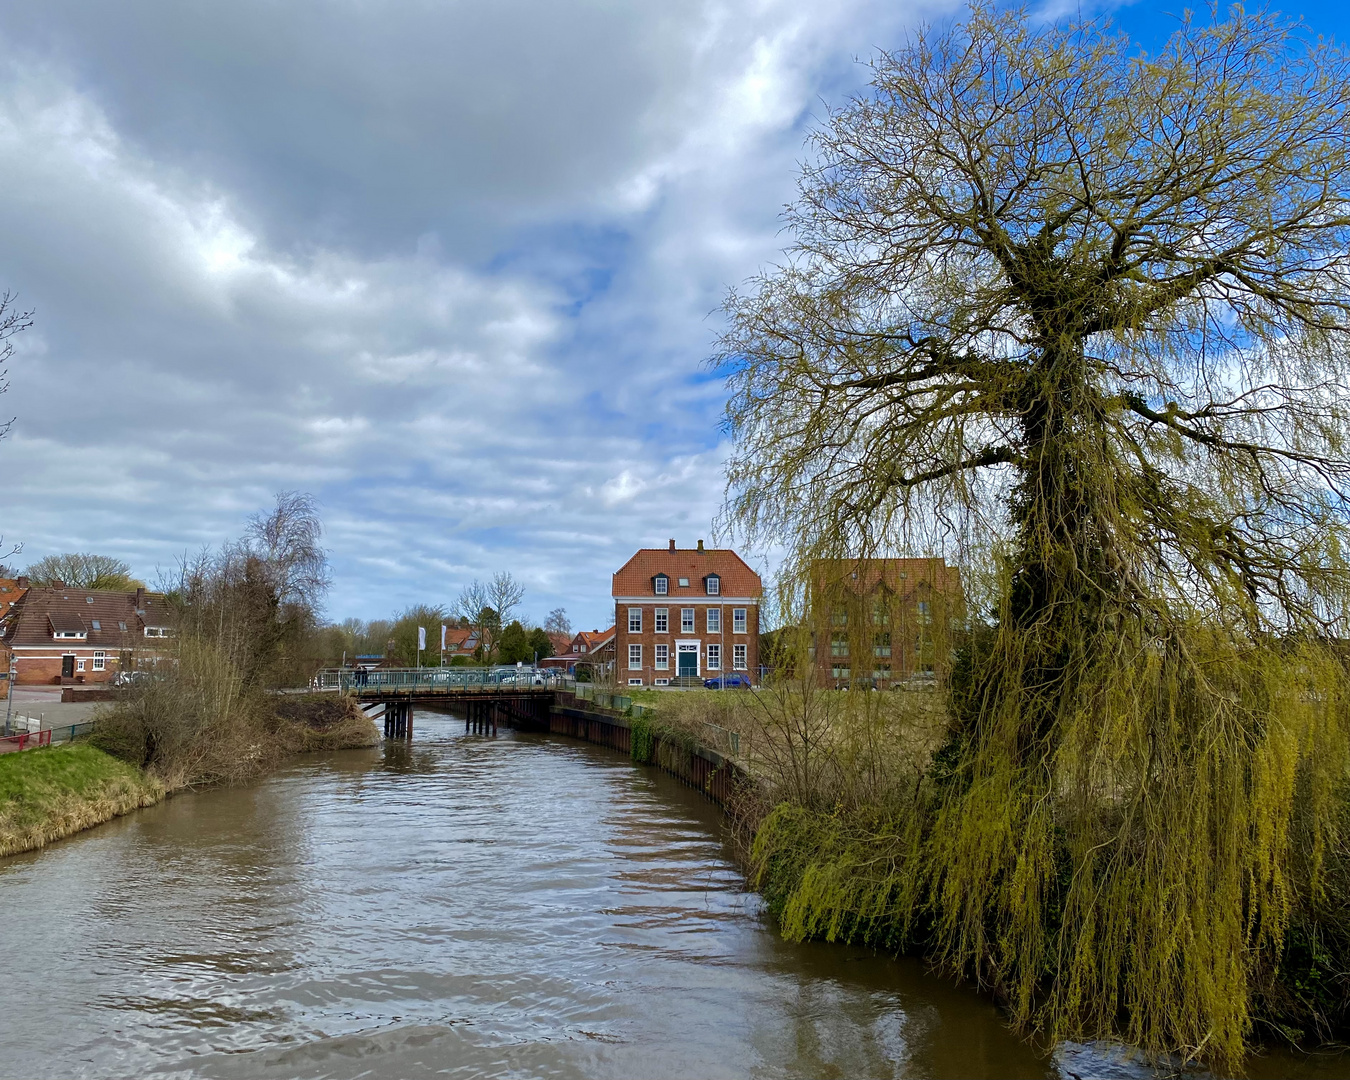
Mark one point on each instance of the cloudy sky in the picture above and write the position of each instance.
(453, 267)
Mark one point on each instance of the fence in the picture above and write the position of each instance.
(413, 679)
(23, 739)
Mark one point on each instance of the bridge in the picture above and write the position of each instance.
(518, 696)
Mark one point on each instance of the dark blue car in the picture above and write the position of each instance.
(727, 682)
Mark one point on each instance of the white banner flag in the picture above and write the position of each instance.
(442, 637)
(421, 637)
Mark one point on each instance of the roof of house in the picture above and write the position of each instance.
(561, 642)
(456, 638)
(594, 639)
(11, 592)
(898, 575)
(635, 577)
(110, 619)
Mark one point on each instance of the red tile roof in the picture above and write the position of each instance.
(593, 639)
(42, 610)
(635, 576)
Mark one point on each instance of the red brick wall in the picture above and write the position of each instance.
(45, 669)
(649, 638)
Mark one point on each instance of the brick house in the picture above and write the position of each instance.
(11, 592)
(62, 635)
(459, 642)
(882, 621)
(685, 613)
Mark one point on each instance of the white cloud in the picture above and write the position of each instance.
(448, 267)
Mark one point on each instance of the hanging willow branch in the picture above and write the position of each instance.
(1087, 309)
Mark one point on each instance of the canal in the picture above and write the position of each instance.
(465, 906)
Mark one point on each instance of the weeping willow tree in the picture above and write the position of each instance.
(1083, 312)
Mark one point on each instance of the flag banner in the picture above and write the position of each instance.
(442, 637)
(421, 637)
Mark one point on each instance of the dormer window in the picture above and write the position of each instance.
(156, 631)
(661, 584)
(713, 584)
(96, 624)
(121, 625)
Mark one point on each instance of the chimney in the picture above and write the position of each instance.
(672, 545)
(58, 584)
(700, 545)
(140, 599)
(21, 582)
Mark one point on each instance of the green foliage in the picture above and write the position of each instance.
(513, 645)
(403, 634)
(540, 643)
(642, 740)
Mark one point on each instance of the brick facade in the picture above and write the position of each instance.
(696, 607)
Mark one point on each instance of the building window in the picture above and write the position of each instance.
(686, 620)
(684, 583)
(713, 584)
(79, 665)
(662, 620)
(882, 671)
(635, 620)
(121, 626)
(634, 682)
(156, 631)
(882, 647)
(96, 624)
(660, 682)
(738, 620)
(100, 661)
(838, 672)
(924, 611)
(881, 613)
(714, 657)
(714, 620)
(738, 660)
(839, 645)
(662, 657)
(634, 657)
(839, 616)
(662, 584)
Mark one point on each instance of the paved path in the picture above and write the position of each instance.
(47, 704)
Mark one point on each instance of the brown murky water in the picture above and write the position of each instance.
(521, 906)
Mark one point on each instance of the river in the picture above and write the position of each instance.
(523, 906)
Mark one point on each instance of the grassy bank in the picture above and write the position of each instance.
(50, 793)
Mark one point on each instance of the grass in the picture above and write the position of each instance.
(50, 793)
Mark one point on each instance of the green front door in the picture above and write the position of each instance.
(687, 659)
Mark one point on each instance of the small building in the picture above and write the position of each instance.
(592, 649)
(878, 622)
(459, 642)
(686, 613)
(61, 635)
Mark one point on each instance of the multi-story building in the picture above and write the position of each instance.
(67, 635)
(685, 613)
(880, 621)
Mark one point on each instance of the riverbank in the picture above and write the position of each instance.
(49, 794)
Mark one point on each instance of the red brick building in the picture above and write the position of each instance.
(689, 613)
(65, 635)
(882, 621)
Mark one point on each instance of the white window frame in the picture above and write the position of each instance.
(100, 660)
(662, 620)
(79, 664)
(662, 585)
(660, 682)
(635, 620)
(687, 616)
(740, 658)
(739, 620)
(714, 656)
(661, 660)
(714, 620)
(712, 585)
(634, 657)
(634, 682)
(693, 648)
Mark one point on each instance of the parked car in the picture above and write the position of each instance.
(727, 682)
(131, 678)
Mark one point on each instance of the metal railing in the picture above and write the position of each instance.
(25, 740)
(447, 678)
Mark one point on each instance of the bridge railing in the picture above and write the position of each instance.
(448, 678)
